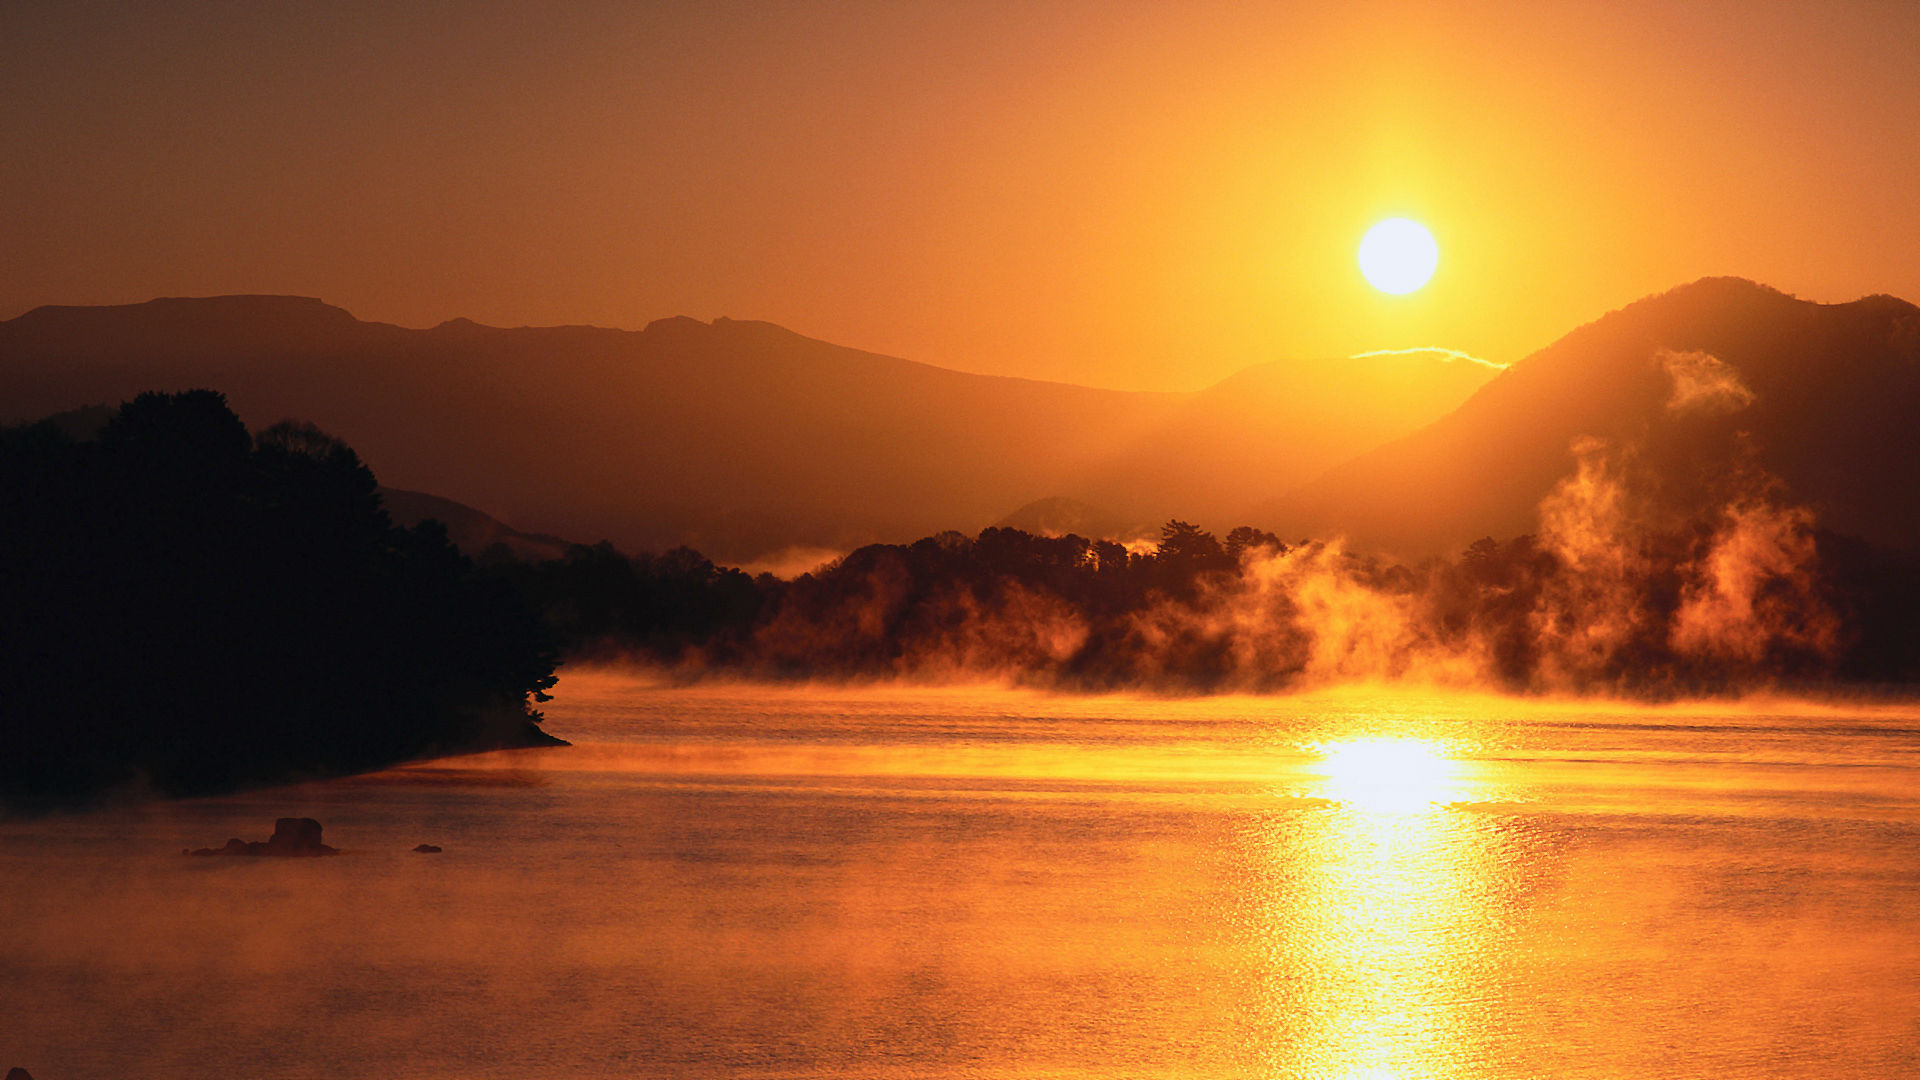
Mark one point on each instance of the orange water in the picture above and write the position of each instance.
(968, 883)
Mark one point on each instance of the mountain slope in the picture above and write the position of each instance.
(1224, 448)
(472, 531)
(732, 435)
(737, 437)
(1831, 408)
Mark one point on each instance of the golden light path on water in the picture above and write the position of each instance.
(946, 883)
(1396, 885)
(1384, 924)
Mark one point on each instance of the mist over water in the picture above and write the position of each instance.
(729, 881)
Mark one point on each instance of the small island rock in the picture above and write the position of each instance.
(428, 849)
(292, 838)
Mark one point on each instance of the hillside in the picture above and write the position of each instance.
(740, 438)
(470, 530)
(1224, 448)
(1827, 403)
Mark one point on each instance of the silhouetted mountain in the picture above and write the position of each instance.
(739, 437)
(83, 423)
(1058, 515)
(1230, 446)
(470, 530)
(1827, 400)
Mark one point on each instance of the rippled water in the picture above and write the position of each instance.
(945, 883)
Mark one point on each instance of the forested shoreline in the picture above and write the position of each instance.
(189, 608)
(1702, 607)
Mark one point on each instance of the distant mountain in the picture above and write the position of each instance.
(1059, 516)
(472, 531)
(739, 438)
(82, 423)
(1719, 377)
(1230, 446)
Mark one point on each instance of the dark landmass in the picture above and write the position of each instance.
(740, 438)
(186, 608)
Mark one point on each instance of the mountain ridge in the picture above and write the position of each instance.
(736, 436)
(1828, 381)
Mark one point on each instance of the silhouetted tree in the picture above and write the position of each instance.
(189, 608)
(1184, 542)
(1245, 540)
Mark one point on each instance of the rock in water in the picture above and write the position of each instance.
(292, 837)
(428, 849)
(17, 1073)
(297, 836)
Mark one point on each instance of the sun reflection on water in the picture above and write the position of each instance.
(1390, 775)
(1384, 920)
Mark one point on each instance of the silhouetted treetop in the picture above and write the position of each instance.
(190, 609)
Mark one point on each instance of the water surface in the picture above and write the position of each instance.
(747, 882)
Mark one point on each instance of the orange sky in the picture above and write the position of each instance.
(1133, 195)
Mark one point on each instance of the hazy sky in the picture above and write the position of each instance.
(1134, 195)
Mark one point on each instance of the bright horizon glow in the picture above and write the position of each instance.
(1398, 256)
(1149, 201)
(1431, 350)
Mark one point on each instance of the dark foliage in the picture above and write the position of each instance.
(1877, 595)
(1196, 614)
(599, 601)
(187, 607)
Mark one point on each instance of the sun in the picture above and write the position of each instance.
(1398, 256)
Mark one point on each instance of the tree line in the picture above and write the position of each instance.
(1197, 613)
(187, 608)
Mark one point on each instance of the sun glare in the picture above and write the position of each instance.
(1398, 256)
(1389, 774)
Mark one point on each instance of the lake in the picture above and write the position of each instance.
(729, 881)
